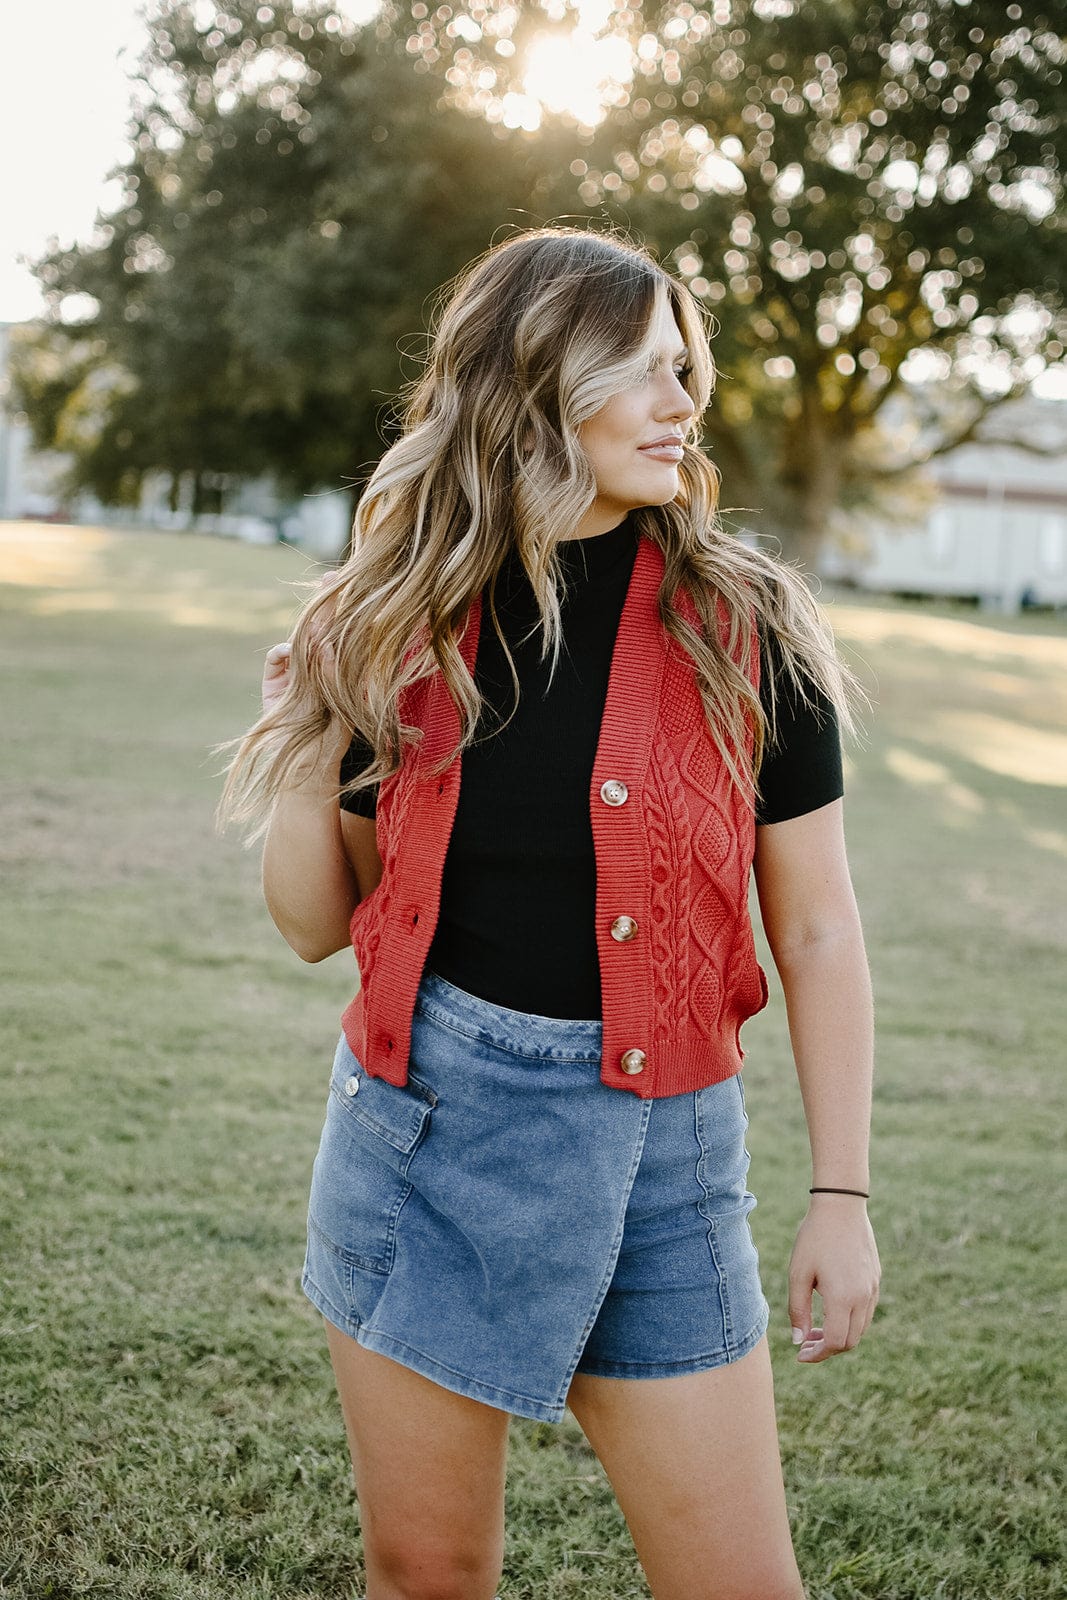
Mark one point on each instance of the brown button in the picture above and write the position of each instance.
(624, 928)
(633, 1061)
(614, 792)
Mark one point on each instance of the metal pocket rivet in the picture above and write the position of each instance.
(351, 1086)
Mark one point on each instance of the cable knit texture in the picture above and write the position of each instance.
(674, 854)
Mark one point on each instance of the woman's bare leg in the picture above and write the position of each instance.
(429, 1469)
(695, 1464)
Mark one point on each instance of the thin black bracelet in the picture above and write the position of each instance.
(861, 1192)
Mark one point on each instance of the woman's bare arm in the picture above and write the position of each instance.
(813, 928)
(318, 861)
(308, 881)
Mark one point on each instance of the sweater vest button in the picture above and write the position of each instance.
(614, 792)
(633, 1061)
(624, 928)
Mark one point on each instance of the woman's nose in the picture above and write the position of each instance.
(681, 404)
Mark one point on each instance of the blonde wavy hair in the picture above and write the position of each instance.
(529, 341)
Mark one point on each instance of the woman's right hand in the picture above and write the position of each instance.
(276, 674)
(277, 677)
(276, 668)
(335, 739)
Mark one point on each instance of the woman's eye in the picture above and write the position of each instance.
(681, 373)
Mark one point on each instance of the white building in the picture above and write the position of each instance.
(997, 532)
(998, 529)
(29, 479)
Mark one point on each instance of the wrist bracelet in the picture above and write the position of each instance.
(861, 1192)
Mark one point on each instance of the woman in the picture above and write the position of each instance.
(530, 1190)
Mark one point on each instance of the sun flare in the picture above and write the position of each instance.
(573, 72)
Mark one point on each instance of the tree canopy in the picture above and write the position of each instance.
(862, 193)
(291, 199)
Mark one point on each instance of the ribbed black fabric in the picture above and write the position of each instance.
(519, 885)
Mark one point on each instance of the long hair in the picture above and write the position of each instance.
(530, 340)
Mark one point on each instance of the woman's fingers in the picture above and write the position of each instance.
(276, 673)
(277, 660)
(834, 1256)
(829, 1340)
(800, 1288)
(279, 657)
(812, 1348)
(868, 1316)
(836, 1321)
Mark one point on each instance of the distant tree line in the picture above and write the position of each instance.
(854, 189)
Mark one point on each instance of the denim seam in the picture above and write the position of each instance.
(390, 1234)
(484, 1037)
(325, 1306)
(349, 1258)
(723, 1287)
(613, 1256)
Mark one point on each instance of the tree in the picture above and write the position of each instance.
(292, 198)
(861, 192)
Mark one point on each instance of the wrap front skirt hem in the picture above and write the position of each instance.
(519, 1405)
(505, 1219)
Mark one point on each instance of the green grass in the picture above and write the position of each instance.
(168, 1424)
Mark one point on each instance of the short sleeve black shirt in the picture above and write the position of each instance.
(522, 835)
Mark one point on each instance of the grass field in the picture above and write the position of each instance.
(168, 1425)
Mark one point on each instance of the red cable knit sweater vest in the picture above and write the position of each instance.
(673, 841)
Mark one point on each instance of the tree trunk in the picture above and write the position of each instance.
(810, 478)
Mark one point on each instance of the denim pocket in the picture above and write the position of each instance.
(360, 1179)
(399, 1116)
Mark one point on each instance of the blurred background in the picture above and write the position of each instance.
(221, 236)
(224, 227)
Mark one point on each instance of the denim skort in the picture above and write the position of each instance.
(506, 1219)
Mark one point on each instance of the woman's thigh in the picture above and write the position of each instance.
(429, 1469)
(695, 1464)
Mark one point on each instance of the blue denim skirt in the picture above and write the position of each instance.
(506, 1219)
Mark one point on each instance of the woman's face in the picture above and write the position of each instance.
(616, 439)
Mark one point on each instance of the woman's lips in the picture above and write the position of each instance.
(663, 452)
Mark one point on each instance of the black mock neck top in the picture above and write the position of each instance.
(518, 893)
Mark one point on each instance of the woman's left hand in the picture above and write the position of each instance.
(834, 1253)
